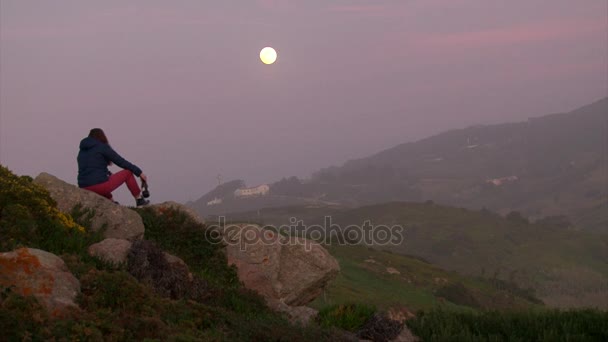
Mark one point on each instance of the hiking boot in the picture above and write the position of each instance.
(141, 202)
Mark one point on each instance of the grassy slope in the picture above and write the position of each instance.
(364, 278)
(114, 306)
(566, 267)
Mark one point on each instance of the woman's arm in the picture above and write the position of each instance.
(114, 157)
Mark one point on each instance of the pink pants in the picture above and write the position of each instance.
(125, 176)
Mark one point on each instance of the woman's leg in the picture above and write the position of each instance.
(125, 176)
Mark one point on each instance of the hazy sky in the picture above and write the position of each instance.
(180, 91)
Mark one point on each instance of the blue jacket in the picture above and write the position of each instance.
(93, 160)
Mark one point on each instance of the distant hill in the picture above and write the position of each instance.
(567, 268)
(222, 200)
(551, 166)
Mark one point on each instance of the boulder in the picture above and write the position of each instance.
(117, 251)
(177, 263)
(282, 269)
(111, 250)
(298, 314)
(41, 274)
(119, 222)
(174, 205)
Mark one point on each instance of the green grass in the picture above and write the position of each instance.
(364, 275)
(177, 233)
(555, 262)
(554, 326)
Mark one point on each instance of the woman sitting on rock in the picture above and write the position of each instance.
(93, 159)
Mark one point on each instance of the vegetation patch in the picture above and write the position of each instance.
(350, 317)
(29, 218)
(380, 328)
(457, 294)
(149, 265)
(113, 304)
(539, 325)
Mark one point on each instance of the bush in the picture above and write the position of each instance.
(148, 264)
(177, 233)
(380, 329)
(29, 218)
(350, 317)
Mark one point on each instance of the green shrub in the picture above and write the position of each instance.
(350, 317)
(177, 233)
(19, 316)
(29, 218)
(114, 291)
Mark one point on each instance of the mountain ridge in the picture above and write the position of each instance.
(553, 165)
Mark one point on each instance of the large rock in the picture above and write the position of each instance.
(298, 314)
(111, 250)
(282, 269)
(119, 222)
(41, 274)
(116, 251)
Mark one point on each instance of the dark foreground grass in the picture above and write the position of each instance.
(539, 325)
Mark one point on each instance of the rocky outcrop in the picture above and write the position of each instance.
(41, 274)
(282, 269)
(116, 251)
(117, 221)
(111, 250)
(301, 315)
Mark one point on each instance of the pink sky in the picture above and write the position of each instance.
(179, 89)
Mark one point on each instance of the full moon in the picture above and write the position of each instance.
(268, 55)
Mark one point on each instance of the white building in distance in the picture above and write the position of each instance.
(260, 190)
(502, 181)
(214, 201)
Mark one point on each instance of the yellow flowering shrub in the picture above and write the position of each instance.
(29, 215)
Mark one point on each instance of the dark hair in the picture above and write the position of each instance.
(98, 134)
